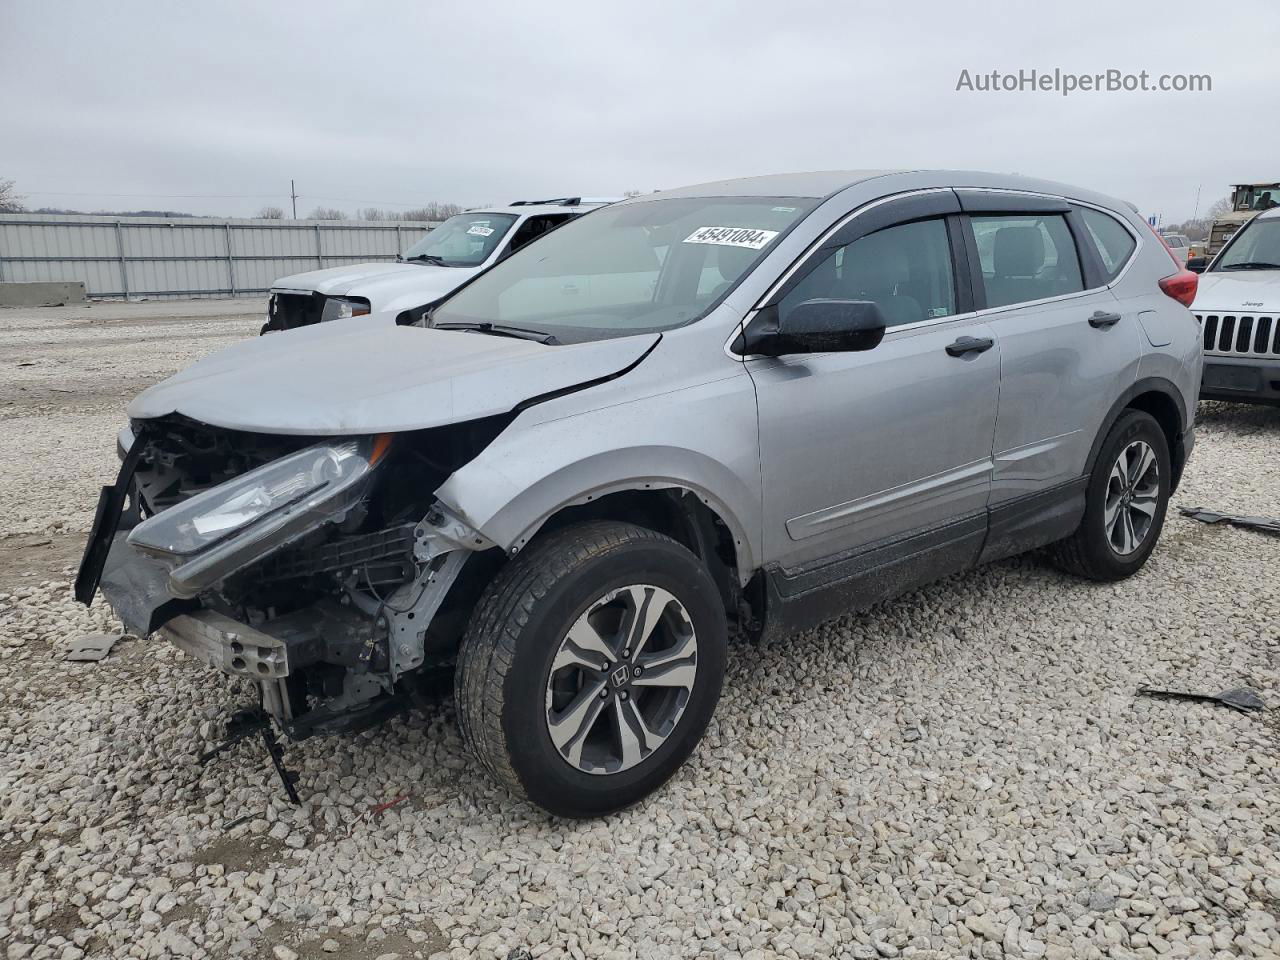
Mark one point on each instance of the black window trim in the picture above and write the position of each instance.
(1003, 196)
(1140, 237)
(1091, 272)
(975, 262)
(932, 204)
(1077, 212)
(818, 254)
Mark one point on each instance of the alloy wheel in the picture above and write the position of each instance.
(1132, 498)
(621, 679)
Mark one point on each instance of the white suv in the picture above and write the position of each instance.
(438, 264)
(1238, 306)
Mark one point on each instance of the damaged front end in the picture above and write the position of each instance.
(320, 569)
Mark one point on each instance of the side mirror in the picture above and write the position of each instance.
(816, 326)
(1197, 264)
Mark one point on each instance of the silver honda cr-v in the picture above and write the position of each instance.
(736, 408)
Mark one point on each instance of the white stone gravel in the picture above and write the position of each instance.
(963, 772)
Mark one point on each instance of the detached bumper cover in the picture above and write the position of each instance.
(137, 587)
(106, 521)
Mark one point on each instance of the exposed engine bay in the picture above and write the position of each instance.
(322, 569)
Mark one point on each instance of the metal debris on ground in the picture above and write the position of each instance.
(1237, 698)
(93, 647)
(244, 724)
(1266, 524)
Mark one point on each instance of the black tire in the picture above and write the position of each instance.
(1089, 552)
(504, 665)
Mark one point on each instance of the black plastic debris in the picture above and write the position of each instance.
(1266, 524)
(244, 724)
(1237, 698)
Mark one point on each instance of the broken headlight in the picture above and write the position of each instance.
(223, 529)
(340, 308)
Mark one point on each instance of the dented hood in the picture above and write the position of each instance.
(339, 378)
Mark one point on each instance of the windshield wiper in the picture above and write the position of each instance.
(1250, 265)
(501, 330)
(425, 258)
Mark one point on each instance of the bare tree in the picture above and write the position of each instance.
(10, 202)
(374, 213)
(432, 211)
(327, 213)
(1197, 229)
(271, 213)
(1219, 208)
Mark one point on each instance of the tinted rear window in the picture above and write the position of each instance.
(1113, 242)
(1026, 257)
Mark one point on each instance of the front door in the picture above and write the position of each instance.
(862, 449)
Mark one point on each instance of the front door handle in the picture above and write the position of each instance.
(967, 345)
(1102, 319)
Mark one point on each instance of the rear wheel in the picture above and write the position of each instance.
(1125, 502)
(591, 668)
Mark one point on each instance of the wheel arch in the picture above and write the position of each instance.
(1163, 401)
(692, 519)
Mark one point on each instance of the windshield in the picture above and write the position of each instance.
(632, 268)
(462, 241)
(1256, 247)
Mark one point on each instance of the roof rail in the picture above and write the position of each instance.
(558, 201)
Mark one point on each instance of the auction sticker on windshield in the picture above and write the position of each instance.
(732, 236)
(479, 231)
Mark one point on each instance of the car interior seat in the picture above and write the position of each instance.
(882, 275)
(1018, 258)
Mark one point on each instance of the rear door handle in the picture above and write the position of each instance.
(967, 345)
(1102, 319)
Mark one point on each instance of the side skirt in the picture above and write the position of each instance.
(800, 598)
(1017, 526)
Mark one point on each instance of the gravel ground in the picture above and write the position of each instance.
(963, 772)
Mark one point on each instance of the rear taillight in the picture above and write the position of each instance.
(1181, 286)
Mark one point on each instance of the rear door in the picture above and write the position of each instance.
(862, 449)
(1067, 345)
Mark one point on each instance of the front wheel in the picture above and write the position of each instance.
(591, 667)
(1125, 502)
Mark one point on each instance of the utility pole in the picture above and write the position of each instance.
(1196, 215)
(293, 195)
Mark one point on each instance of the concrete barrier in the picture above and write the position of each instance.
(42, 293)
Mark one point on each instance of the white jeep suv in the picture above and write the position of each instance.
(1238, 307)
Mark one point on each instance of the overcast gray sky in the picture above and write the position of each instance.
(144, 104)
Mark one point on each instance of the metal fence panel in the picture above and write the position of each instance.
(188, 256)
